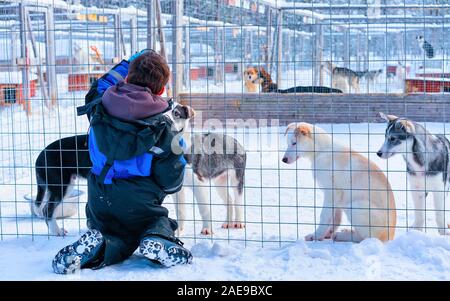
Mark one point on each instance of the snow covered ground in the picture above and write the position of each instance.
(281, 206)
(411, 256)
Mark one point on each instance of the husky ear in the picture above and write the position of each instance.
(303, 130)
(290, 127)
(186, 112)
(408, 126)
(191, 112)
(388, 118)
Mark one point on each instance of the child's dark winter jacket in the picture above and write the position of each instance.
(133, 165)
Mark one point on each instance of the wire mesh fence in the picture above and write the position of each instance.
(248, 69)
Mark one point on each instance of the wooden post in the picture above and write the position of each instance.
(279, 46)
(177, 47)
(162, 41)
(367, 52)
(358, 50)
(347, 48)
(217, 46)
(250, 48)
(51, 56)
(117, 41)
(267, 50)
(133, 35)
(122, 41)
(38, 62)
(318, 55)
(150, 21)
(187, 71)
(24, 59)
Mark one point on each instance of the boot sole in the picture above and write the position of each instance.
(168, 257)
(72, 257)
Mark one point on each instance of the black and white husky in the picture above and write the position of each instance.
(57, 168)
(427, 161)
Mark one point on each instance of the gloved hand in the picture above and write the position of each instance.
(137, 54)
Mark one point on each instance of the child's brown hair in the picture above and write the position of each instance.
(149, 70)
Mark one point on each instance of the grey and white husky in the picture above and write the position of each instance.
(372, 76)
(343, 78)
(427, 161)
(220, 159)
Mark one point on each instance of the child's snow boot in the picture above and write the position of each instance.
(79, 254)
(164, 251)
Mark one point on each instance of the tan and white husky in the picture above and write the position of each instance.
(351, 184)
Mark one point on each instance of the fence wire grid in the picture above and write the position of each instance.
(249, 69)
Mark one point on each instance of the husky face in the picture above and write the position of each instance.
(181, 115)
(251, 74)
(299, 141)
(419, 39)
(398, 136)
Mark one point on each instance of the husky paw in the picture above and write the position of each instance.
(206, 231)
(227, 225)
(238, 225)
(310, 237)
(61, 232)
(329, 234)
(319, 237)
(343, 235)
(314, 236)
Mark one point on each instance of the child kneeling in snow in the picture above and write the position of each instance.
(133, 170)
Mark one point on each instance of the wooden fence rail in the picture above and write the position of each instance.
(319, 108)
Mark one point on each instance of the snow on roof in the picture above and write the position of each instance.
(130, 10)
(305, 5)
(54, 3)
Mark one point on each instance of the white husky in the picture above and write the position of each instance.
(350, 182)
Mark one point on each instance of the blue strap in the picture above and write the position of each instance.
(87, 108)
(109, 163)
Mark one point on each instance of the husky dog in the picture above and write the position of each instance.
(425, 46)
(372, 75)
(427, 162)
(221, 159)
(260, 80)
(57, 168)
(252, 81)
(351, 183)
(343, 78)
(61, 162)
